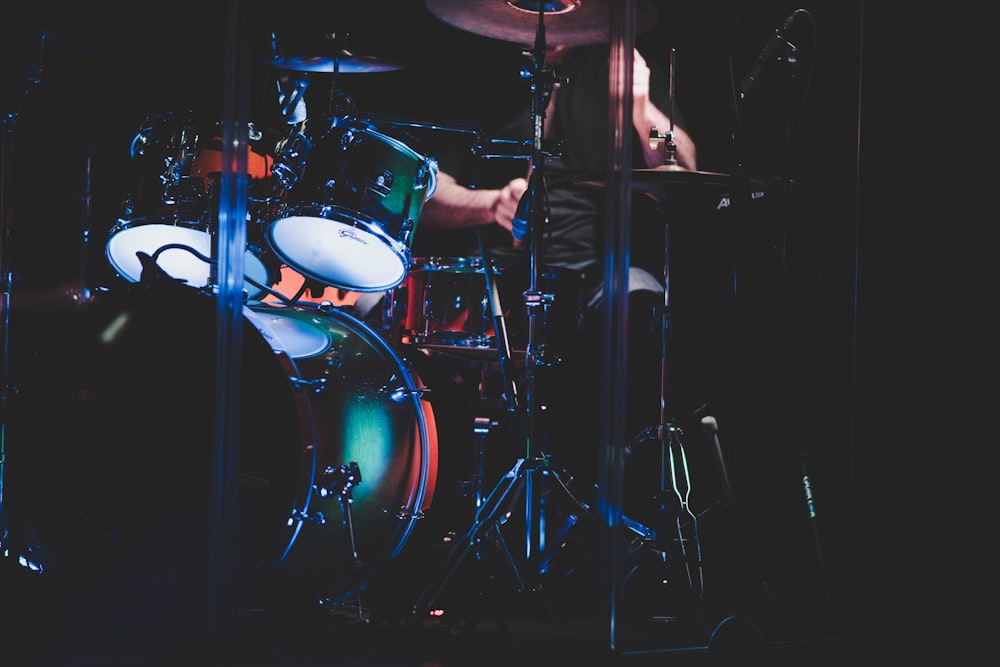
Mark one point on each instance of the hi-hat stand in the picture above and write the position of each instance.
(673, 457)
(532, 475)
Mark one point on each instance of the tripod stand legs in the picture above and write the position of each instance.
(499, 506)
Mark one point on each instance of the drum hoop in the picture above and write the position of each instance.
(342, 214)
(165, 219)
(470, 264)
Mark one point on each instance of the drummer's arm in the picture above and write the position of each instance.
(646, 116)
(454, 206)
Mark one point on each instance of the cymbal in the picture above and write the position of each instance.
(585, 23)
(663, 179)
(344, 62)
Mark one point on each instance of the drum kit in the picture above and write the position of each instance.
(338, 206)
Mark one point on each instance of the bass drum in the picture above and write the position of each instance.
(376, 445)
(112, 474)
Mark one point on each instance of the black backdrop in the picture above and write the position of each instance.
(772, 337)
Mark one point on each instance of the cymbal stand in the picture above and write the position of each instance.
(523, 482)
(673, 458)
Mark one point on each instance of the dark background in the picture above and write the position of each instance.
(771, 333)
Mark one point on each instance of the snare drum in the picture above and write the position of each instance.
(351, 215)
(444, 305)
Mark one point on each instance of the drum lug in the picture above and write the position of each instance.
(425, 171)
(316, 386)
(339, 480)
(403, 514)
(298, 515)
(400, 394)
(406, 228)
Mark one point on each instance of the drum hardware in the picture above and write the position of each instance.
(482, 427)
(340, 481)
(673, 457)
(185, 215)
(532, 476)
(675, 483)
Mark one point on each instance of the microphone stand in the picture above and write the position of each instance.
(523, 482)
(8, 118)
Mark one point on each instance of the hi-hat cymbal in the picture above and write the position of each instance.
(344, 62)
(665, 179)
(582, 22)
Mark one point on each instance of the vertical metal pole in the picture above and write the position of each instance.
(231, 241)
(6, 276)
(10, 109)
(615, 308)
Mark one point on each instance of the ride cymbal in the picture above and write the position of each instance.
(567, 23)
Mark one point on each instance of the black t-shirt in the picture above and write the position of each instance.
(576, 128)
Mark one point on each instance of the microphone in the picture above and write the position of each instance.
(750, 81)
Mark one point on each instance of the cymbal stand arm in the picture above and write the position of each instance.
(655, 136)
(341, 104)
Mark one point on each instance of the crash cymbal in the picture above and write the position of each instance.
(344, 62)
(667, 178)
(567, 22)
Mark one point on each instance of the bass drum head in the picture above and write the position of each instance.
(112, 475)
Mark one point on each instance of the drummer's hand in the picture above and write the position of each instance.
(506, 204)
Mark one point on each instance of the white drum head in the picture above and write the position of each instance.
(294, 334)
(176, 262)
(339, 253)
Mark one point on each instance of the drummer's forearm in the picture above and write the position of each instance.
(455, 206)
